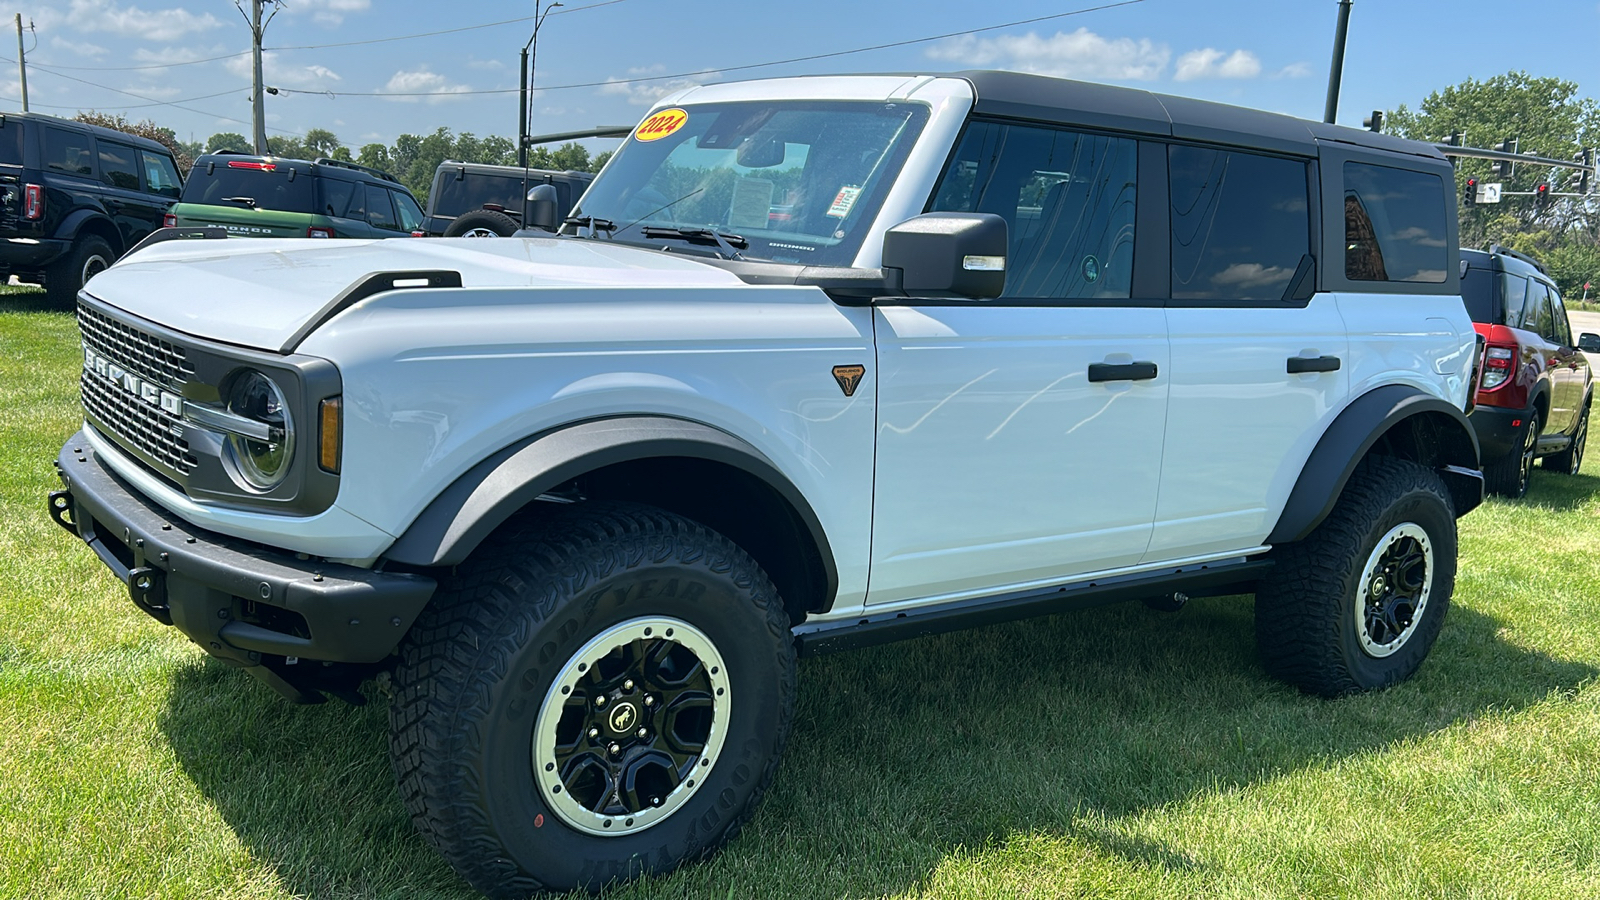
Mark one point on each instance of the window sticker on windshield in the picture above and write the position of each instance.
(752, 203)
(660, 125)
(844, 201)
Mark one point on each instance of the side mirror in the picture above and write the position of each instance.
(540, 210)
(1589, 342)
(948, 255)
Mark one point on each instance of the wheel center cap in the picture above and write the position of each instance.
(623, 717)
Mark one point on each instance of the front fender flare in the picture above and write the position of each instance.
(1354, 432)
(478, 502)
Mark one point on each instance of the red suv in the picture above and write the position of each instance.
(1535, 384)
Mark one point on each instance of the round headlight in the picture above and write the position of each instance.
(262, 464)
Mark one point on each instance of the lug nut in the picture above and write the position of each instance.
(649, 700)
(615, 748)
(628, 685)
(600, 700)
(642, 732)
(594, 732)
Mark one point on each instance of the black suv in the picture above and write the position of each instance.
(478, 200)
(269, 196)
(74, 197)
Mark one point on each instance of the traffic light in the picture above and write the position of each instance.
(1469, 196)
(1458, 139)
(1373, 122)
(1505, 168)
(1585, 178)
(1541, 195)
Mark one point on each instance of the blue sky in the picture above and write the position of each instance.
(1271, 54)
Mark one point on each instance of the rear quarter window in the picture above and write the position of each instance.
(11, 143)
(455, 197)
(1394, 225)
(1478, 293)
(68, 151)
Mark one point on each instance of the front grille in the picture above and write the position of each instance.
(142, 354)
(142, 426)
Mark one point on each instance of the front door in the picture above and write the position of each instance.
(1019, 440)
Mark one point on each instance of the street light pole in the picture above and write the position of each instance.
(523, 109)
(1337, 72)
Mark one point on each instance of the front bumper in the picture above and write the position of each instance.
(243, 603)
(1497, 437)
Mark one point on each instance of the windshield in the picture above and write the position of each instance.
(799, 180)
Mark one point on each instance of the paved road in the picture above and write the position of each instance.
(1585, 321)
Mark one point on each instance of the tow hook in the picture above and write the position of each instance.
(148, 590)
(61, 511)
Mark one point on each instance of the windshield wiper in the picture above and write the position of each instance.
(595, 224)
(247, 201)
(727, 244)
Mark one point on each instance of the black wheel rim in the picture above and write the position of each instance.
(1394, 588)
(1578, 441)
(1530, 442)
(632, 726)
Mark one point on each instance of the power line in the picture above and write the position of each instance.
(170, 65)
(408, 37)
(132, 106)
(725, 69)
(175, 104)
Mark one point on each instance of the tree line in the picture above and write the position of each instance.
(412, 158)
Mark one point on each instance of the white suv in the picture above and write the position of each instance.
(816, 363)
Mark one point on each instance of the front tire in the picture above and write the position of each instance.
(507, 725)
(1357, 605)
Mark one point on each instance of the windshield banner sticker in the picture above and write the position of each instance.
(752, 203)
(660, 125)
(844, 201)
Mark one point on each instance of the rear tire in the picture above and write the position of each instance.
(90, 255)
(608, 612)
(1357, 605)
(481, 223)
(1570, 460)
(1509, 475)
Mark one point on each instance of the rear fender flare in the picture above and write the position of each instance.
(1355, 432)
(91, 220)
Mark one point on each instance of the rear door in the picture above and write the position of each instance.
(1565, 363)
(1259, 360)
(136, 212)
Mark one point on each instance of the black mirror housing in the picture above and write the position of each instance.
(1589, 342)
(540, 209)
(948, 255)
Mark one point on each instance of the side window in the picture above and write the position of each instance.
(410, 212)
(1562, 333)
(68, 151)
(380, 211)
(335, 196)
(118, 166)
(1240, 224)
(1068, 199)
(160, 174)
(1515, 290)
(1539, 319)
(1394, 226)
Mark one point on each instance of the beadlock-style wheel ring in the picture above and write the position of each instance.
(632, 726)
(1393, 592)
(480, 232)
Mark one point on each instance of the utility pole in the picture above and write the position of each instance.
(258, 112)
(22, 65)
(1331, 111)
(527, 82)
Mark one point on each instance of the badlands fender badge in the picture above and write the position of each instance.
(849, 378)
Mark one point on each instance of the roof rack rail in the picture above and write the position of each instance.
(1507, 251)
(235, 153)
(346, 164)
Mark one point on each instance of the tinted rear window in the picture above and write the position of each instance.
(472, 192)
(269, 189)
(1477, 291)
(1394, 225)
(11, 143)
(1240, 224)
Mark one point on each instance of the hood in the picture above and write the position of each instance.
(261, 293)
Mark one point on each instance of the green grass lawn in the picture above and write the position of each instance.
(1112, 753)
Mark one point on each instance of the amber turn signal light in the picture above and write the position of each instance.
(331, 417)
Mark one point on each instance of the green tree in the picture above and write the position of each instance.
(321, 142)
(227, 140)
(376, 156)
(1549, 117)
(146, 128)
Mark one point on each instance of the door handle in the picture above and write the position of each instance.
(1139, 371)
(1302, 364)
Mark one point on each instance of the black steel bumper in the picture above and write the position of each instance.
(1497, 437)
(29, 255)
(242, 602)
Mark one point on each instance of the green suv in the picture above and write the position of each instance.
(265, 196)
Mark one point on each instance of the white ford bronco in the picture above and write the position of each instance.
(815, 363)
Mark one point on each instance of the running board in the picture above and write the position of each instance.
(1552, 443)
(1233, 576)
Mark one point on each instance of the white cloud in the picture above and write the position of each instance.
(1250, 275)
(645, 93)
(131, 21)
(487, 65)
(328, 12)
(1079, 54)
(92, 51)
(422, 81)
(1293, 70)
(1209, 63)
(276, 72)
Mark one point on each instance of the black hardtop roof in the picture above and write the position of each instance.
(112, 134)
(1018, 95)
(1504, 259)
(492, 169)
